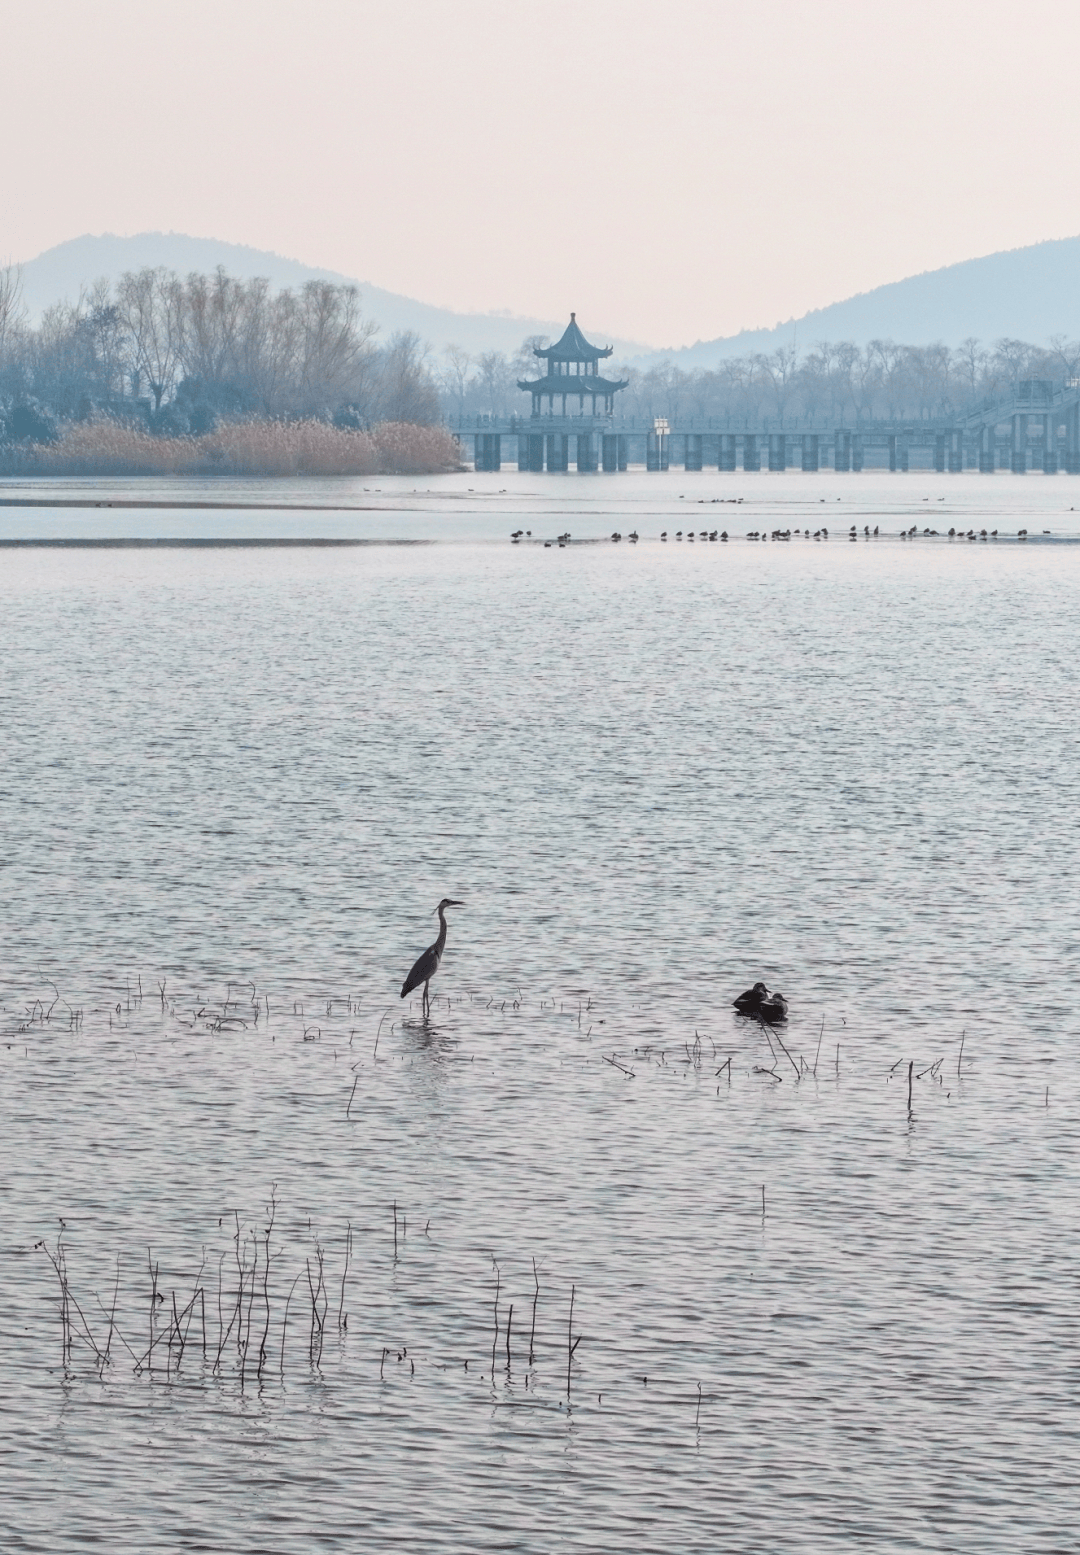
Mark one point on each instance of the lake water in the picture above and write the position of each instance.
(236, 782)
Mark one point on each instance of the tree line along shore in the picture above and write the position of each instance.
(212, 375)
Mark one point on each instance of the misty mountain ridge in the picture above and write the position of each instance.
(1021, 293)
(1026, 293)
(61, 273)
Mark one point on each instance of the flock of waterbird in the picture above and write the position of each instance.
(722, 535)
(757, 1001)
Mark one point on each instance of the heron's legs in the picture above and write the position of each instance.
(426, 1004)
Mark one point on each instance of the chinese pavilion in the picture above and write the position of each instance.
(572, 374)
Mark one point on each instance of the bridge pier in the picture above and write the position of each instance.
(811, 457)
(986, 449)
(1050, 458)
(725, 458)
(1018, 448)
(693, 451)
(856, 452)
(586, 453)
(558, 452)
(751, 458)
(530, 451)
(842, 451)
(1072, 439)
(488, 452)
(777, 451)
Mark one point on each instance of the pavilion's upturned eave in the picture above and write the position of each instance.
(572, 384)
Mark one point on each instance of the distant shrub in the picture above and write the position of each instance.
(270, 448)
(29, 422)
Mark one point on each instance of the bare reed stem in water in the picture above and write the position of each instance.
(536, 1298)
(344, 1275)
(495, 1340)
(571, 1342)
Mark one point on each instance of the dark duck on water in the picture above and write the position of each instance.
(759, 1002)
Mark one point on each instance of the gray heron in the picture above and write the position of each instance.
(427, 964)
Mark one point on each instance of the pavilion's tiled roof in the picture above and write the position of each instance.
(573, 347)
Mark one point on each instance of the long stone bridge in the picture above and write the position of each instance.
(1037, 427)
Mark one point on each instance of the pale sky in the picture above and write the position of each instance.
(671, 171)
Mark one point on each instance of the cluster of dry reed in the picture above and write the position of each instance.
(243, 448)
(248, 1327)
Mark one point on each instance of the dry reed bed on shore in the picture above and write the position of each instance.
(272, 448)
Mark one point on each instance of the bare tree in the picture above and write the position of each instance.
(777, 370)
(407, 390)
(496, 378)
(151, 304)
(12, 312)
(1065, 354)
(455, 374)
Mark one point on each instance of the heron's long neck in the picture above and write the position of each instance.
(441, 941)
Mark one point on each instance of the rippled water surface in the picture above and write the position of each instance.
(806, 1315)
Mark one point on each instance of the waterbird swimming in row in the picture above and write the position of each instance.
(427, 964)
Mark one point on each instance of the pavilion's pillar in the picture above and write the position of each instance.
(622, 443)
(536, 451)
(693, 451)
(842, 454)
(1050, 457)
(777, 451)
(751, 458)
(726, 453)
(586, 452)
(810, 454)
(1019, 444)
(609, 451)
(523, 451)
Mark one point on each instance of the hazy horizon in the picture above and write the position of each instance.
(681, 179)
(527, 320)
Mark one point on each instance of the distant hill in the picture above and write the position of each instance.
(61, 272)
(1026, 293)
